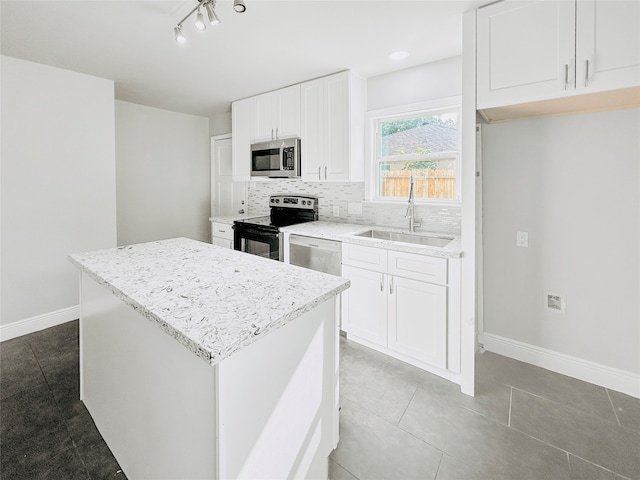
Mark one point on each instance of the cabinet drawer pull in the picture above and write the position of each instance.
(381, 283)
(276, 133)
(319, 176)
(325, 172)
(566, 75)
(391, 285)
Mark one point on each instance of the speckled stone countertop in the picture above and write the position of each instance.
(228, 220)
(345, 232)
(213, 300)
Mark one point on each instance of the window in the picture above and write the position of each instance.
(423, 144)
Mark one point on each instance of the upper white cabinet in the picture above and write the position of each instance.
(539, 50)
(332, 128)
(242, 128)
(277, 114)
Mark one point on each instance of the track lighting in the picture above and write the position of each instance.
(200, 25)
(180, 38)
(209, 6)
(238, 6)
(213, 18)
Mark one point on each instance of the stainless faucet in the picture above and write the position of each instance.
(410, 212)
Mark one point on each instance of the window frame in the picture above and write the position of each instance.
(373, 117)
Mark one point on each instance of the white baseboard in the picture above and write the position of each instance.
(596, 373)
(39, 322)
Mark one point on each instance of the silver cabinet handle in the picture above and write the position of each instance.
(241, 211)
(586, 73)
(272, 134)
(566, 75)
(382, 282)
(319, 177)
(325, 172)
(391, 285)
(276, 133)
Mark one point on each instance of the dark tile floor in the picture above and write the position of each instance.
(397, 422)
(45, 431)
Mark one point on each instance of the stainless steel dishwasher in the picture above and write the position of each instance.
(316, 253)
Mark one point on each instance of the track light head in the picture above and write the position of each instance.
(238, 6)
(200, 25)
(178, 35)
(213, 18)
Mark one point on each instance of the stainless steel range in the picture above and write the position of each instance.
(261, 236)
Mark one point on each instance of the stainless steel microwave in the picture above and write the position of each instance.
(276, 159)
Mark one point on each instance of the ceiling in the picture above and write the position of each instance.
(272, 45)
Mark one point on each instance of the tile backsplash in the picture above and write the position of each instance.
(435, 218)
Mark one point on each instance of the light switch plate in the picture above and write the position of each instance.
(522, 239)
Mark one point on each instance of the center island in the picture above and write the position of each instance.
(199, 362)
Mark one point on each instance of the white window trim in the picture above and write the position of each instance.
(370, 193)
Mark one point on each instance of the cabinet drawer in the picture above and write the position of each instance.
(418, 267)
(222, 230)
(364, 257)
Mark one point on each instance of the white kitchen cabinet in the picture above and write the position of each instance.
(222, 235)
(276, 114)
(242, 128)
(539, 50)
(365, 305)
(418, 320)
(332, 128)
(391, 307)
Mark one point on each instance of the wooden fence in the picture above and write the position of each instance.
(428, 184)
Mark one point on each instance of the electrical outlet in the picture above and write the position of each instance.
(557, 302)
(336, 211)
(522, 239)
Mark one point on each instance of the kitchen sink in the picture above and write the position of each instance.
(406, 238)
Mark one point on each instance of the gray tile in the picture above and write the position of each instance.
(65, 465)
(371, 448)
(584, 396)
(484, 444)
(588, 437)
(370, 386)
(19, 368)
(452, 469)
(492, 398)
(336, 472)
(583, 470)
(627, 409)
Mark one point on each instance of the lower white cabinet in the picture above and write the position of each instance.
(399, 312)
(222, 235)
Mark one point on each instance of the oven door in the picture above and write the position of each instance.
(257, 241)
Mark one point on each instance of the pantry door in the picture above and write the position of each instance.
(228, 198)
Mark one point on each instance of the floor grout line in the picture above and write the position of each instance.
(510, 403)
(613, 406)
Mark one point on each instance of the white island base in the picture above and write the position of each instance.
(269, 411)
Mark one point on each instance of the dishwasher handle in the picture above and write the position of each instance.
(312, 242)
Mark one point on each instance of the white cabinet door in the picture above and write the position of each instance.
(418, 320)
(607, 44)
(525, 51)
(311, 129)
(242, 130)
(364, 305)
(332, 126)
(228, 197)
(337, 128)
(277, 114)
(287, 112)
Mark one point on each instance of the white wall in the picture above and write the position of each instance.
(57, 186)
(573, 184)
(426, 82)
(220, 124)
(162, 161)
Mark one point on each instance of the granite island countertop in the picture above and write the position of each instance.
(213, 300)
(346, 232)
